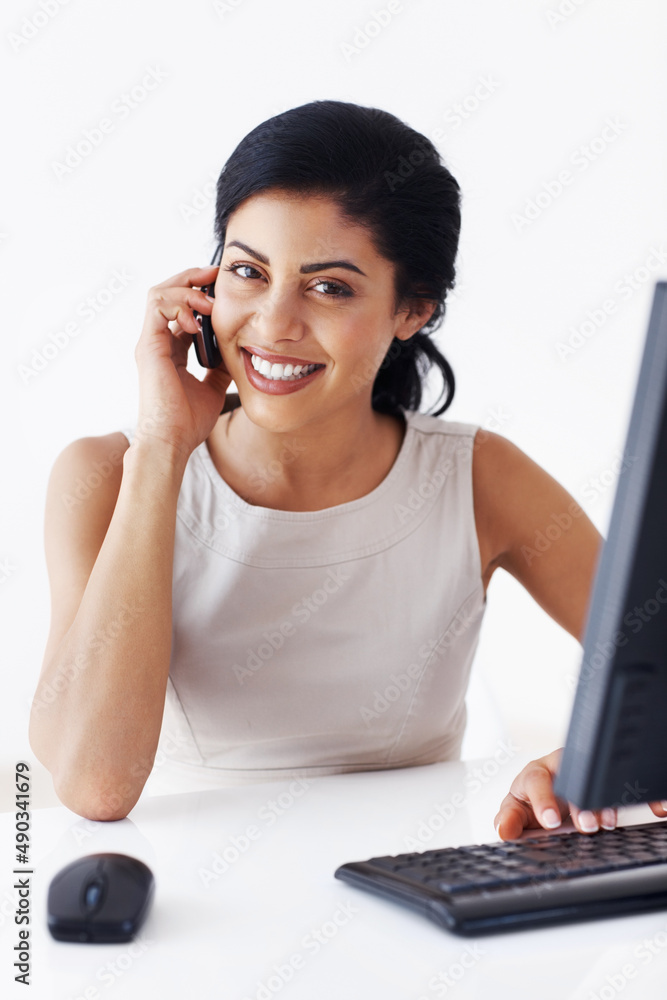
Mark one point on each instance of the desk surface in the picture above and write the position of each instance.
(247, 908)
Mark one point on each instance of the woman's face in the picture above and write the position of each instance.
(299, 285)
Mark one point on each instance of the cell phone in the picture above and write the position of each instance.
(206, 346)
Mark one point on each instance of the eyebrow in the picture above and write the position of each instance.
(305, 268)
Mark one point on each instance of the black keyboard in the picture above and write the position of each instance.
(534, 881)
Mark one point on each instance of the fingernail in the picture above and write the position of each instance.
(210, 299)
(608, 819)
(588, 822)
(664, 805)
(550, 819)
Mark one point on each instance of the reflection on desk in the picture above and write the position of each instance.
(247, 908)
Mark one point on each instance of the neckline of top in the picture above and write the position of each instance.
(350, 506)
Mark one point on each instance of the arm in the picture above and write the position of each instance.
(97, 712)
(530, 526)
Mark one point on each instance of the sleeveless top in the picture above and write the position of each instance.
(320, 642)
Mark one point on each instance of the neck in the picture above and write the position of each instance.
(315, 466)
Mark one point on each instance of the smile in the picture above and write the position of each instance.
(286, 373)
(275, 377)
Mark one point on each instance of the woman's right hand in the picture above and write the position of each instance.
(175, 407)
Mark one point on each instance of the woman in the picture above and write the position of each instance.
(298, 573)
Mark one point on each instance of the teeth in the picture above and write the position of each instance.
(285, 373)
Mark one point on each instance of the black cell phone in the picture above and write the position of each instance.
(206, 346)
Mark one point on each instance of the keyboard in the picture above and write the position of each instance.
(534, 881)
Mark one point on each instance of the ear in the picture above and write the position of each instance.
(413, 316)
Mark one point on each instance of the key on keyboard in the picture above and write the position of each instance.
(530, 882)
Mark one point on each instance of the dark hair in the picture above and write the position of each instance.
(383, 175)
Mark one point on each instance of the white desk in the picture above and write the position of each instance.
(276, 923)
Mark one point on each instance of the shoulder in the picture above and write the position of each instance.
(95, 447)
(102, 453)
(497, 460)
(510, 484)
(493, 456)
(508, 489)
(88, 471)
(528, 524)
(80, 499)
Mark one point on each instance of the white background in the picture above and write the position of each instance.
(553, 82)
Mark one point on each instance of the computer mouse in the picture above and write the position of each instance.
(100, 898)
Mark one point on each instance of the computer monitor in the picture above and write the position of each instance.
(616, 748)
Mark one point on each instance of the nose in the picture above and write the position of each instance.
(278, 316)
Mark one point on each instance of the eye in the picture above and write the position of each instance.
(234, 268)
(341, 291)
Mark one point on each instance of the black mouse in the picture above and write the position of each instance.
(100, 898)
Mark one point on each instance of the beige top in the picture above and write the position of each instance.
(318, 642)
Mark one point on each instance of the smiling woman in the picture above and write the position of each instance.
(351, 160)
(291, 579)
(304, 346)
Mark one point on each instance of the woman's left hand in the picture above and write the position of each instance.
(532, 804)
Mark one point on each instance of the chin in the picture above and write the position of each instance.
(277, 414)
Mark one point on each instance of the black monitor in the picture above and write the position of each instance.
(616, 748)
